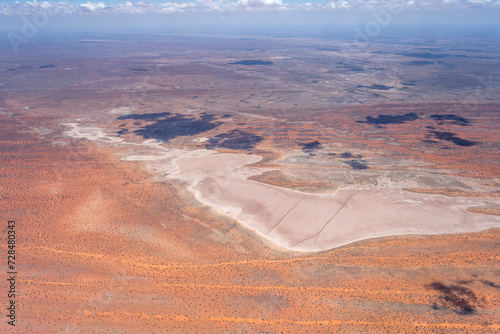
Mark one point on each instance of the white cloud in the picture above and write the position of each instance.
(92, 6)
(259, 3)
(337, 4)
(143, 7)
(214, 5)
(172, 7)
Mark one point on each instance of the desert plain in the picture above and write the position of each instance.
(181, 184)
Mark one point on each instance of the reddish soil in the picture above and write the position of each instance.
(103, 248)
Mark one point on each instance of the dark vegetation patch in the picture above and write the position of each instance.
(122, 132)
(451, 137)
(173, 126)
(455, 297)
(492, 284)
(453, 80)
(47, 66)
(379, 87)
(376, 86)
(390, 119)
(351, 68)
(346, 155)
(327, 49)
(357, 164)
(252, 62)
(449, 118)
(308, 147)
(468, 50)
(234, 140)
(419, 63)
(408, 84)
(140, 70)
(149, 117)
(425, 55)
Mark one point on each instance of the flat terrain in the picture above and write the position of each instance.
(170, 184)
(302, 221)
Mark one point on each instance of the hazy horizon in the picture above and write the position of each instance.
(252, 15)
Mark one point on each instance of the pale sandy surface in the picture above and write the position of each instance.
(296, 220)
(317, 221)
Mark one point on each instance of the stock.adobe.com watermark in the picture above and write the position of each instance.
(382, 17)
(29, 29)
(11, 272)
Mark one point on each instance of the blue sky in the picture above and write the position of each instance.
(256, 4)
(288, 12)
(20, 20)
(114, 2)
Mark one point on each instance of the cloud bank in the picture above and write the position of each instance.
(200, 6)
